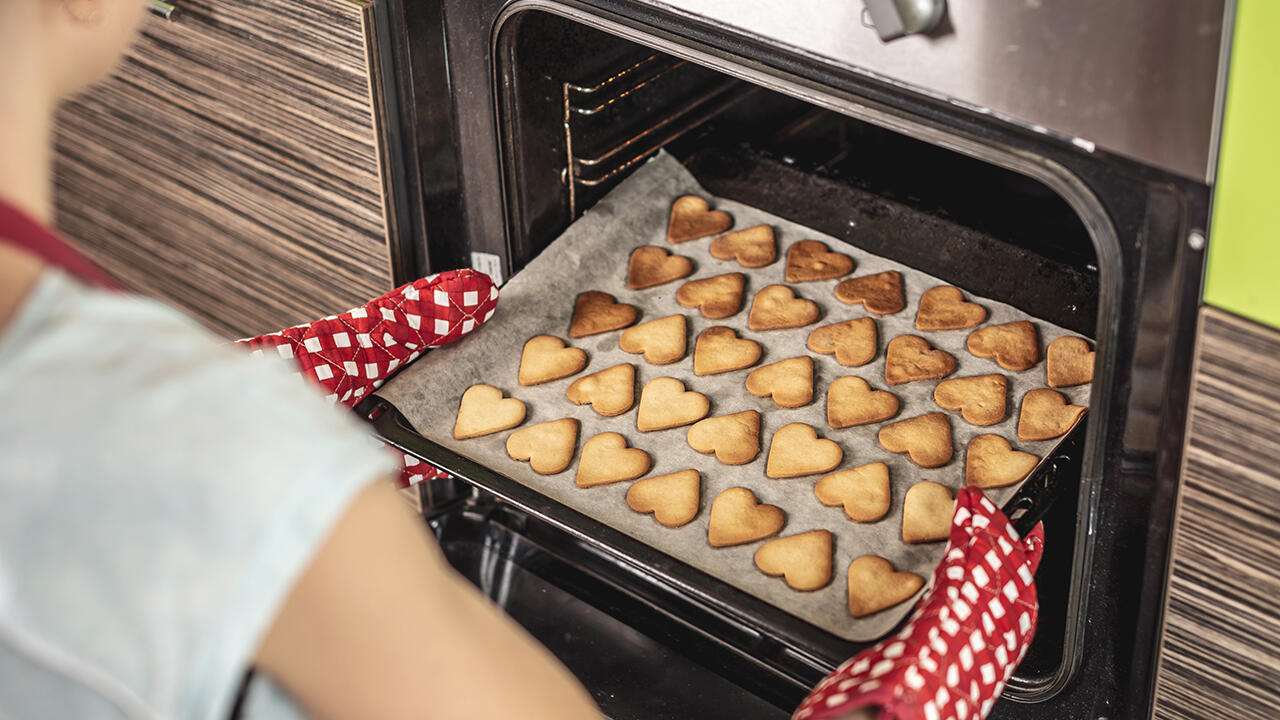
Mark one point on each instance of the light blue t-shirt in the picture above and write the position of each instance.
(160, 492)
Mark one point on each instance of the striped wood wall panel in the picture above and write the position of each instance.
(231, 164)
(1220, 646)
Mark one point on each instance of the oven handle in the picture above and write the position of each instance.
(1047, 482)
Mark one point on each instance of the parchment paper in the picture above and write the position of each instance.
(592, 254)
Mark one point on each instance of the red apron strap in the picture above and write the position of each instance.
(21, 230)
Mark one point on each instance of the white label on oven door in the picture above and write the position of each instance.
(489, 264)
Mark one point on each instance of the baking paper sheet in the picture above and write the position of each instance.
(592, 254)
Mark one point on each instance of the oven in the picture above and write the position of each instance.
(1070, 180)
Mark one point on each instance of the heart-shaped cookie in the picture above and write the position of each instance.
(789, 382)
(880, 293)
(863, 491)
(803, 560)
(651, 265)
(944, 308)
(851, 401)
(719, 349)
(875, 586)
(663, 341)
(672, 498)
(926, 439)
(1015, 345)
(735, 439)
(981, 399)
(992, 462)
(611, 391)
(776, 307)
(607, 459)
(545, 358)
(853, 342)
(753, 247)
(1070, 362)
(717, 297)
(811, 260)
(547, 446)
(693, 218)
(909, 358)
(665, 403)
(926, 513)
(483, 410)
(1046, 415)
(597, 312)
(796, 450)
(737, 517)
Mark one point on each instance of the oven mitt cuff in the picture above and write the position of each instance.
(970, 630)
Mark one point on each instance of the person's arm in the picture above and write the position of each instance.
(380, 626)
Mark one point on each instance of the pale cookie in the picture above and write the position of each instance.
(853, 342)
(981, 399)
(672, 498)
(1070, 362)
(875, 586)
(926, 439)
(547, 446)
(753, 247)
(665, 403)
(737, 517)
(607, 459)
(735, 439)
(610, 392)
(811, 260)
(851, 401)
(1046, 415)
(776, 307)
(1015, 345)
(880, 293)
(991, 462)
(789, 382)
(596, 312)
(863, 491)
(803, 560)
(909, 358)
(651, 265)
(926, 513)
(663, 341)
(796, 451)
(716, 297)
(944, 308)
(483, 411)
(719, 349)
(693, 218)
(545, 358)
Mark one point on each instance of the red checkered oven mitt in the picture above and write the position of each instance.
(971, 629)
(352, 353)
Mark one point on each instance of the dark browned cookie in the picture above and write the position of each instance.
(597, 312)
(880, 293)
(811, 260)
(693, 218)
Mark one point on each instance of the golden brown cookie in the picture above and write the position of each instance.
(693, 218)
(651, 265)
(663, 341)
(853, 342)
(992, 462)
(909, 358)
(665, 403)
(926, 513)
(1015, 345)
(863, 491)
(875, 586)
(1046, 415)
(926, 439)
(596, 312)
(880, 293)
(811, 260)
(672, 498)
(719, 349)
(753, 247)
(547, 446)
(944, 308)
(717, 297)
(851, 401)
(483, 411)
(776, 307)
(607, 459)
(545, 358)
(735, 439)
(737, 517)
(796, 451)
(981, 399)
(1070, 362)
(789, 382)
(611, 391)
(803, 559)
